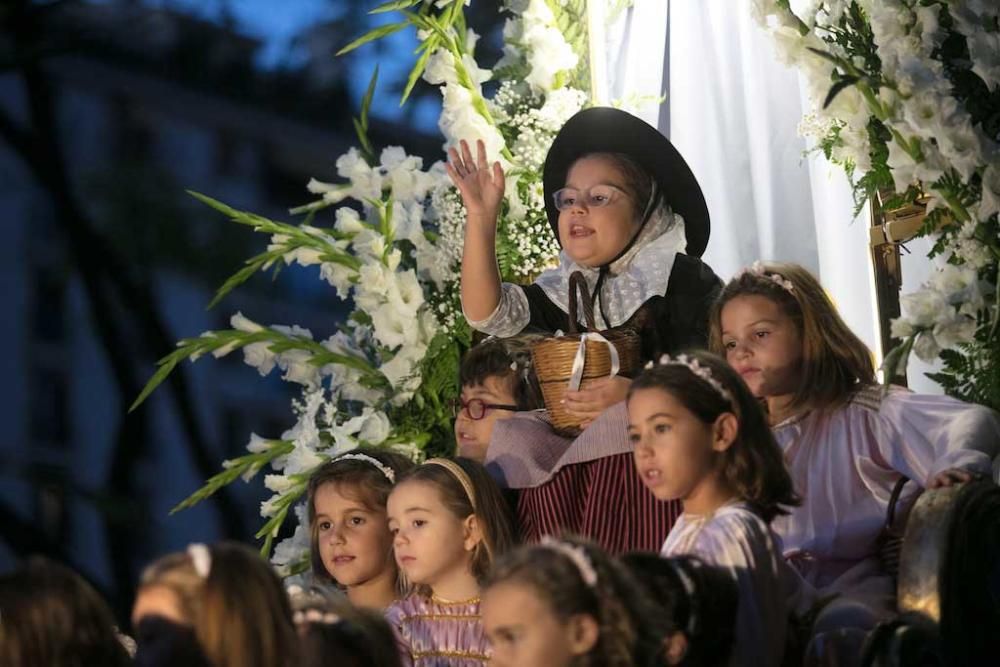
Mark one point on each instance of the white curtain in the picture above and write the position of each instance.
(733, 111)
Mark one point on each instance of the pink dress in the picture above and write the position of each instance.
(735, 539)
(845, 464)
(436, 633)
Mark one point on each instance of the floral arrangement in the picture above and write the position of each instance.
(906, 97)
(392, 246)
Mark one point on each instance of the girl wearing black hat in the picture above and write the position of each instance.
(630, 216)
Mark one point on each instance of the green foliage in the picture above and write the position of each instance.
(246, 466)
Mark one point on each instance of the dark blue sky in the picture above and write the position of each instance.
(277, 22)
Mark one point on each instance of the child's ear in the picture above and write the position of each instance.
(675, 647)
(473, 532)
(583, 633)
(724, 431)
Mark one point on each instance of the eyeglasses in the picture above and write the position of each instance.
(476, 408)
(595, 197)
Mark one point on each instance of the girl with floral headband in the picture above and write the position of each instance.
(630, 216)
(351, 546)
(567, 603)
(847, 443)
(700, 436)
(449, 522)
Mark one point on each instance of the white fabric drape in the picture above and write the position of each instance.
(733, 111)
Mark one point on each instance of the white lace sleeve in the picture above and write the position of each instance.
(510, 316)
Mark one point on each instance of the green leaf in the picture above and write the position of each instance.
(372, 35)
(366, 101)
(415, 73)
(254, 265)
(166, 366)
(835, 90)
(393, 5)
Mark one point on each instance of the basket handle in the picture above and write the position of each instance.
(577, 282)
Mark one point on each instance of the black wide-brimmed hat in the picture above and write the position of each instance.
(607, 130)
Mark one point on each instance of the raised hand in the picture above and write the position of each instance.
(481, 187)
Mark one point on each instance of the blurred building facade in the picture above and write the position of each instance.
(147, 103)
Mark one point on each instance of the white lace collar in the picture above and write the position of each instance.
(640, 274)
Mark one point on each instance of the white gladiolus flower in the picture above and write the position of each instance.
(302, 459)
(902, 166)
(459, 120)
(241, 323)
(348, 221)
(958, 329)
(260, 357)
(375, 429)
(366, 182)
(278, 483)
(923, 307)
(926, 347)
(989, 204)
(294, 548)
(333, 193)
(901, 327)
(297, 368)
(392, 326)
(340, 277)
(405, 293)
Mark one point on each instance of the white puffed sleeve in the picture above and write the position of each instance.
(509, 317)
(923, 435)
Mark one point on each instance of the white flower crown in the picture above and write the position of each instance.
(758, 269)
(201, 559)
(695, 367)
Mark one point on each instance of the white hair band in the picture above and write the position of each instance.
(389, 473)
(576, 555)
(201, 559)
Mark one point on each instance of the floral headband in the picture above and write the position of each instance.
(576, 555)
(201, 559)
(758, 269)
(695, 367)
(389, 473)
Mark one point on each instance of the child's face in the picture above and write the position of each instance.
(432, 545)
(157, 601)
(473, 435)
(354, 541)
(762, 344)
(594, 236)
(525, 632)
(673, 449)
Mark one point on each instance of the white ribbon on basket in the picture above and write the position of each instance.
(581, 354)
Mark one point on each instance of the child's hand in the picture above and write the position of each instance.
(589, 403)
(481, 188)
(950, 477)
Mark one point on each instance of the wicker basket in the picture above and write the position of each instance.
(553, 358)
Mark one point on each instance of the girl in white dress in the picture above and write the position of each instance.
(699, 436)
(845, 441)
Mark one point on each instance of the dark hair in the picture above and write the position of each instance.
(908, 640)
(53, 618)
(630, 632)
(488, 505)
(753, 466)
(351, 637)
(239, 612)
(364, 480)
(494, 357)
(970, 576)
(696, 599)
(835, 362)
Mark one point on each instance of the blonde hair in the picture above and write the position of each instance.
(835, 362)
(239, 612)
